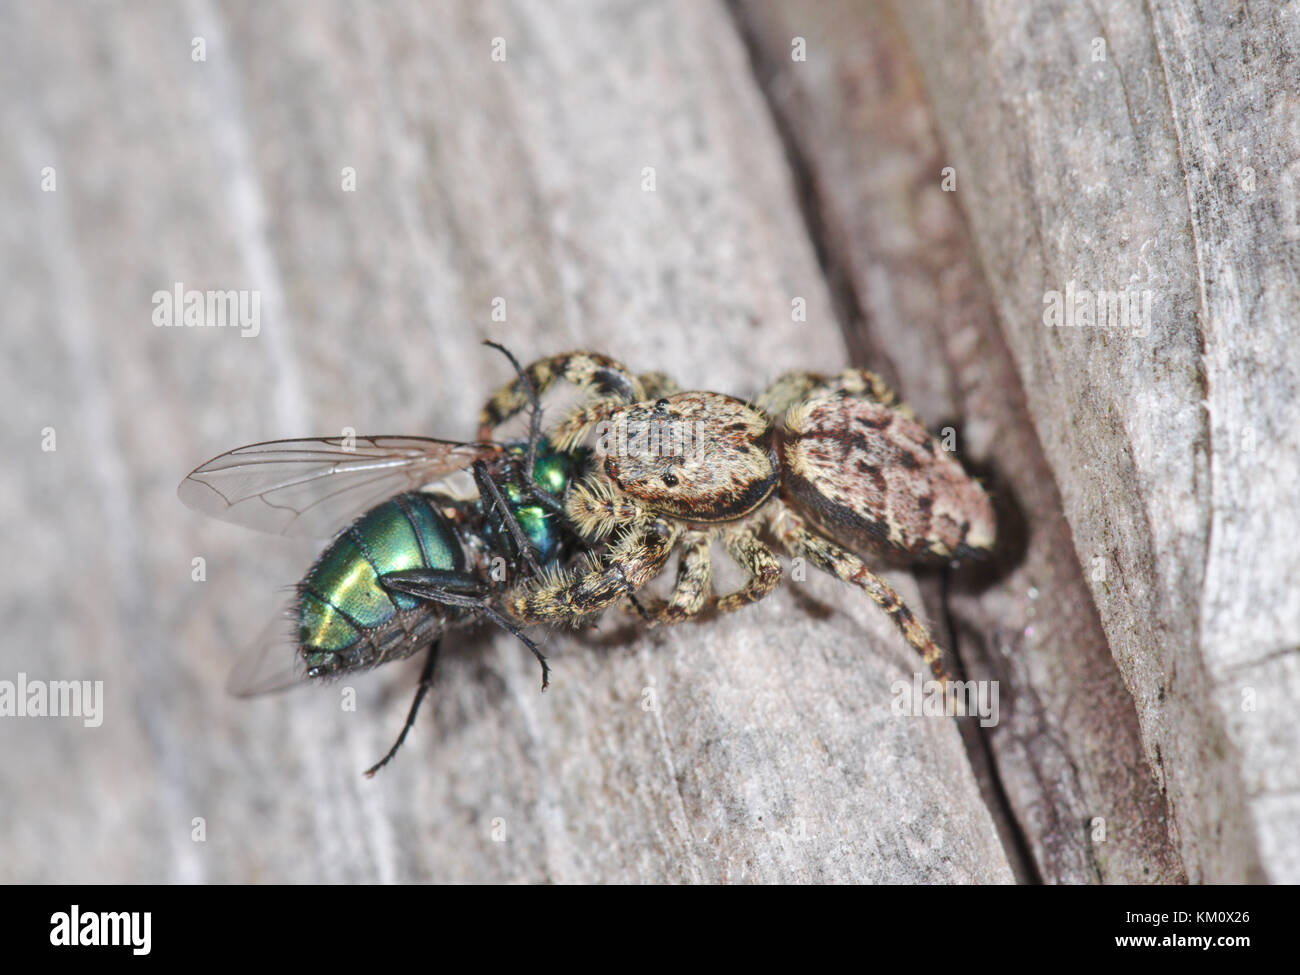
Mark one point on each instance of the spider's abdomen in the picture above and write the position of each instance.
(876, 480)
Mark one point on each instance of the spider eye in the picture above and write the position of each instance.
(670, 480)
(661, 405)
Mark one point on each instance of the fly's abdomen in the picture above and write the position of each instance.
(347, 619)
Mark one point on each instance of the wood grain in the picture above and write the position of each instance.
(662, 182)
(1067, 762)
(1153, 147)
(755, 748)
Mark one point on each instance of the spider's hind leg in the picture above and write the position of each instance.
(658, 384)
(863, 384)
(799, 540)
(792, 388)
(795, 388)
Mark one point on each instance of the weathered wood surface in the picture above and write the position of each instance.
(1168, 166)
(770, 753)
(1067, 752)
(1141, 603)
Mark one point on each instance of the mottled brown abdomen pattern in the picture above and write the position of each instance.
(876, 480)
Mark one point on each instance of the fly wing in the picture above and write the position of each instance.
(314, 488)
(270, 663)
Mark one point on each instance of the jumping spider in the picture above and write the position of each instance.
(827, 465)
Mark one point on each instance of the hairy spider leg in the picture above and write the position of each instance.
(799, 540)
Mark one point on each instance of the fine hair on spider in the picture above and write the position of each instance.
(829, 466)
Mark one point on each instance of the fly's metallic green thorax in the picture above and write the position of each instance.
(553, 471)
(342, 599)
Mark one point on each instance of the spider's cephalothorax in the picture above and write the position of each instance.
(827, 465)
(697, 457)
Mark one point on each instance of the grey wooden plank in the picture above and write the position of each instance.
(1152, 147)
(770, 754)
(857, 114)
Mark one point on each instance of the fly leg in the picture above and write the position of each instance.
(426, 681)
(529, 389)
(526, 384)
(457, 589)
(491, 495)
(449, 581)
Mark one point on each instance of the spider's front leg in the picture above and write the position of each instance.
(634, 560)
(800, 540)
(691, 590)
(606, 378)
(758, 560)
